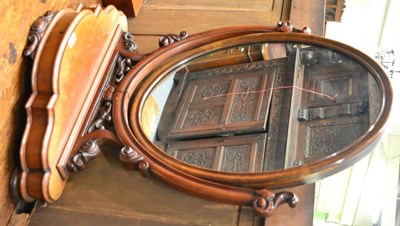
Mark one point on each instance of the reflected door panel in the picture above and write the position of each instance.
(241, 154)
(334, 107)
(233, 99)
(306, 103)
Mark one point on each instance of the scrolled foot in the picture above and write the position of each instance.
(267, 201)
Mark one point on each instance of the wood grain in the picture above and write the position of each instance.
(17, 17)
(68, 213)
(127, 199)
(212, 5)
(197, 16)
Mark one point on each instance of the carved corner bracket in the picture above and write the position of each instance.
(287, 26)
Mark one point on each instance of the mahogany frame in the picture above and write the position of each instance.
(148, 70)
(122, 80)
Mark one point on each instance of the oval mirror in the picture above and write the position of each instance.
(261, 107)
(256, 109)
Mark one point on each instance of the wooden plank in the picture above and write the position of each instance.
(166, 18)
(109, 191)
(19, 220)
(249, 218)
(169, 21)
(73, 217)
(147, 43)
(212, 5)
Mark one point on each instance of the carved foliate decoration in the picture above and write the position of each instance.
(214, 90)
(104, 117)
(172, 38)
(133, 160)
(196, 157)
(267, 201)
(203, 117)
(87, 152)
(236, 159)
(124, 65)
(235, 154)
(323, 139)
(241, 68)
(245, 100)
(36, 33)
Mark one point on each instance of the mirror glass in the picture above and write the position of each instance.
(259, 107)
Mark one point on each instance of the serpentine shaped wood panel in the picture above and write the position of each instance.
(66, 74)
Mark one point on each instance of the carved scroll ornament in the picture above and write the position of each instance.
(36, 33)
(129, 42)
(172, 38)
(267, 201)
(87, 152)
(133, 160)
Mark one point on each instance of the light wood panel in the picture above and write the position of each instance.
(213, 5)
(17, 18)
(159, 17)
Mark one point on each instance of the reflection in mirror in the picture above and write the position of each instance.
(261, 107)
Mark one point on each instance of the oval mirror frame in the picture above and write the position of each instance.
(152, 68)
(236, 188)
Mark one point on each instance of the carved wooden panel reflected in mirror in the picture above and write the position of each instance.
(229, 154)
(307, 102)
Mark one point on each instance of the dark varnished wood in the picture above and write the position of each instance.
(15, 84)
(58, 106)
(272, 179)
(199, 113)
(119, 91)
(235, 154)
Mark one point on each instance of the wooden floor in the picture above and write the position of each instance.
(107, 194)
